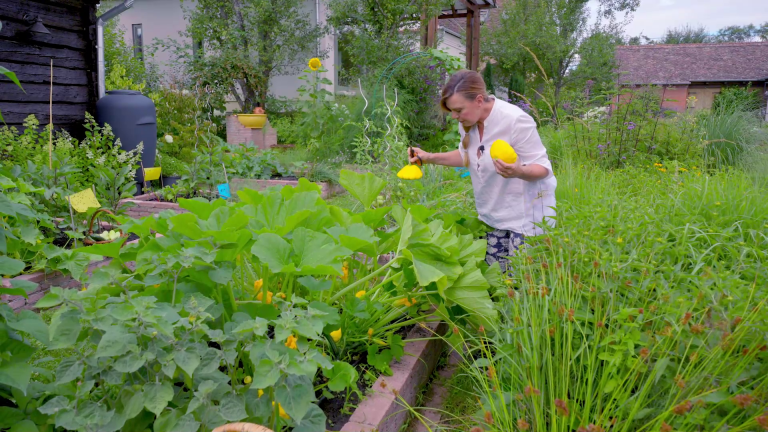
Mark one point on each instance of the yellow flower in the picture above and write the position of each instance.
(283, 414)
(156, 286)
(315, 64)
(192, 318)
(291, 342)
(410, 172)
(360, 294)
(405, 302)
(248, 380)
(662, 169)
(370, 333)
(345, 276)
(269, 297)
(336, 335)
(619, 240)
(576, 189)
(261, 392)
(717, 203)
(683, 169)
(281, 295)
(657, 164)
(258, 284)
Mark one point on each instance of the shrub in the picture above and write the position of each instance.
(737, 99)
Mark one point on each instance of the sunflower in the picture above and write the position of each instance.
(315, 64)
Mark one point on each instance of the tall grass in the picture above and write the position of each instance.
(730, 136)
(643, 310)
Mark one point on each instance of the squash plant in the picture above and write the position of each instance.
(248, 310)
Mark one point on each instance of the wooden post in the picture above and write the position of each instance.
(475, 65)
(470, 37)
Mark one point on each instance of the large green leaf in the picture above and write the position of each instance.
(356, 237)
(470, 291)
(10, 267)
(273, 251)
(157, 396)
(111, 250)
(187, 361)
(430, 266)
(265, 372)
(166, 422)
(30, 322)
(341, 376)
(11, 75)
(116, 341)
(365, 187)
(69, 369)
(64, 329)
(296, 394)
(200, 207)
(313, 421)
(232, 407)
(9, 416)
(16, 375)
(317, 253)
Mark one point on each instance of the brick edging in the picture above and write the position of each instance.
(382, 411)
(44, 283)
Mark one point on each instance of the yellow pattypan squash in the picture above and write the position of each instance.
(501, 149)
(410, 172)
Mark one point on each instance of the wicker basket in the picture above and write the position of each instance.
(241, 427)
(88, 242)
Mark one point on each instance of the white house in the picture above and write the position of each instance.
(149, 20)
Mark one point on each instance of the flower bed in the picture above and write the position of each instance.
(328, 189)
(147, 205)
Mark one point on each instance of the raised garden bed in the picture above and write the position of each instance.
(148, 204)
(384, 409)
(328, 189)
(44, 283)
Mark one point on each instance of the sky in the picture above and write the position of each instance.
(653, 17)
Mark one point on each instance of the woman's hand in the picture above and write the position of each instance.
(418, 156)
(531, 172)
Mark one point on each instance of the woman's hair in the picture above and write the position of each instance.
(469, 84)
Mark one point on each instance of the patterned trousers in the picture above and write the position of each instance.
(502, 244)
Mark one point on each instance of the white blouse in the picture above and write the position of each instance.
(510, 204)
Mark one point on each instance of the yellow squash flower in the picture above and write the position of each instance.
(261, 393)
(370, 333)
(336, 335)
(345, 269)
(360, 294)
(405, 302)
(410, 172)
(248, 380)
(269, 297)
(315, 64)
(291, 342)
(258, 284)
(283, 414)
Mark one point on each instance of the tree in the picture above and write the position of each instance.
(380, 30)
(737, 33)
(597, 60)
(687, 34)
(246, 43)
(554, 31)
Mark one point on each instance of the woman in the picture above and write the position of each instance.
(510, 198)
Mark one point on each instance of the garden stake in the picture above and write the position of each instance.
(50, 120)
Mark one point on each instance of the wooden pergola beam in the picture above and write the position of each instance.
(472, 13)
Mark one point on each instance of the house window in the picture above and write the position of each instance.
(197, 48)
(138, 44)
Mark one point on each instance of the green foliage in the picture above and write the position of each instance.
(630, 314)
(488, 78)
(124, 70)
(254, 163)
(172, 167)
(246, 42)
(731, 137)
(554, 32)
(11, 76)
(738, 99)
(184, 116)
(114, 185)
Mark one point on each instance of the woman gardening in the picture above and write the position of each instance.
(512, 198)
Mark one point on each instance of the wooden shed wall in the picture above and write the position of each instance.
(71, 45)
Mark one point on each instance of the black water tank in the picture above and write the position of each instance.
(133, 119)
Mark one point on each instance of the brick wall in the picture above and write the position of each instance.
(143, 207)
(263, 138)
